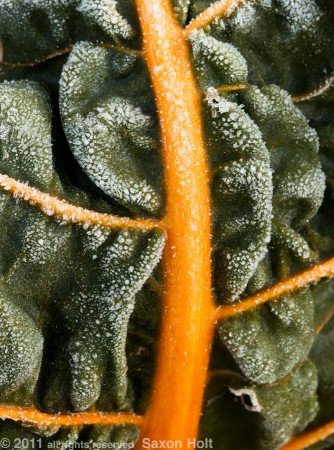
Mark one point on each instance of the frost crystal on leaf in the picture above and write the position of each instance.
(242, 183)
(89, 275)
(104, 13)
(108, 134)
(217, 63)
(80, 302)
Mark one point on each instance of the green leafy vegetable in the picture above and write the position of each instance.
(91, 275)
(80, 302)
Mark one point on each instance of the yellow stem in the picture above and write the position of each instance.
(234, 87)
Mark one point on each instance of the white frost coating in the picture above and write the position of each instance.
(45, 251)
(216, 102)
(91, 140)
(265, 356)
(280, 334)
(181, 7)
(21, 346)
(127, 281)
(101, 313)
(245, 17)
(86, 373)
(306, 183)
(105, 14)
(25, 138)
(247, 176)
(95, 237)
(255, 405)
(292, 241)
(265, 3)
(226, 61)
(286, 309)
(301, 180)
(108, 140)
(249, 179)
(40, 244)
(22, 10)
(301, 15)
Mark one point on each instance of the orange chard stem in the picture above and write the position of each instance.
(222, 8)
(309, 438)
(315, 92)
(234, 87)
(66, 51)
(120, 48)
(312, 275)
(56, 54)
(53, 206)
(187, 328)
(32, 416)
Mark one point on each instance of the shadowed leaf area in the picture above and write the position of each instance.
(80, 303)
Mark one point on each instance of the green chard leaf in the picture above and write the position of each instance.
(259, 417)
(181, 8)
(319, 110)
(80, 304)
(266, 32)
(111, 134)
(46, 26)
(89, 276)
(267, 184)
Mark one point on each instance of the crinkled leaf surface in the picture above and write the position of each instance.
(181, 8)
(320, 111)
(84, 298)
(267, 184)
(298, 190)
(259, 417)
(298, 32)
(106, 104)
(44, 26)
(90, 276)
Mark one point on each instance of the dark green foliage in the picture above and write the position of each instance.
(106, 105)
(285, 42)
(319, 110)
(30, 30)
(87, 276)
(266, 415)
(267, 184)
(80, 306)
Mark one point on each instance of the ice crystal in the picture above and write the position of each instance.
(21, 345)
(300, 15)
(216, 62)
(108, 134)
(243, 184)
(105, 14)
(91, 274)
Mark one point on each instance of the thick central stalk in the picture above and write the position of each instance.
(186, 333)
